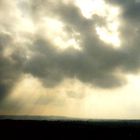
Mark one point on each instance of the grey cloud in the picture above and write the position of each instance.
(96, 64)
(52, 66)
(130, 9)
(130, 34)
(10, 67)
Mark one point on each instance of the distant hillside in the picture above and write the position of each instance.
(25, 117)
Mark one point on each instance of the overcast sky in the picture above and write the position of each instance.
(78, 58)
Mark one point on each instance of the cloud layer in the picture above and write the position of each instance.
(33, 35)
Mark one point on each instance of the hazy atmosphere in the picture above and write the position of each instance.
(76, 58)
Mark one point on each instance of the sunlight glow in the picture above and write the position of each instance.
(108, 33)
(55, 31)
(108, 37)
(72, 95)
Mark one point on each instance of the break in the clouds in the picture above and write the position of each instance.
(95, 42)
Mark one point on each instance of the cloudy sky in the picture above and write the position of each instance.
(76, 58)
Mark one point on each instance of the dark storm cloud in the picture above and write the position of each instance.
(52, 66)
(96, 64)
(130, 34)
(10, 67)
(130, 9)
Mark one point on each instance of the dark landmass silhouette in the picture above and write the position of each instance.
(65, 127)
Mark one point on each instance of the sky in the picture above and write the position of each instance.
(75, 58)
